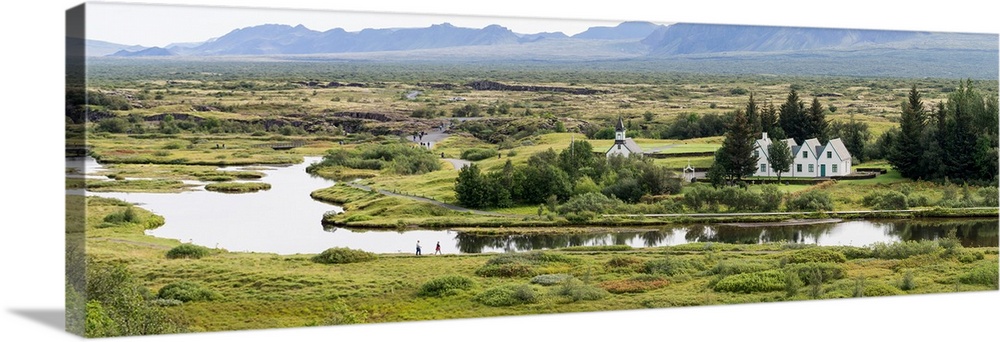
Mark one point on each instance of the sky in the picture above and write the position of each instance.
(31, 296)
(159, 25)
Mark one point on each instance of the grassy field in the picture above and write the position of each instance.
(260, 290)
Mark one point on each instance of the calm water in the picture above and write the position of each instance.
(285, 220)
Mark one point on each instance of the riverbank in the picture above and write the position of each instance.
(375, 210)
(264, 290)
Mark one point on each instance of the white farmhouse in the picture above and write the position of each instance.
(811, 159)
(623, 146)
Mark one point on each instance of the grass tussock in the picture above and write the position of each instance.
(341, 255)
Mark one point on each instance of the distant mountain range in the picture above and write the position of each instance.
(626, 41)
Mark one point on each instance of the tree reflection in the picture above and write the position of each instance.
(971, 233)
(472, 243)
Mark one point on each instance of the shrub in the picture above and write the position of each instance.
(507, 295)
(877, 289)
(577, 290)
(188, 251)
(593, 202)
(852, 252)
(634, 285)
(810, 201)
(885, 200)
(903, 249)
(816, 255)
(731, 267)
(125, 216)
(477, 154)
(669, 266)
(445, 286)
(237, 187)
(740, 199)
(764, 281)
(985, 273)
(826, 271)
(908, 282)
(342, 255)
(509, 270)
(186, 291)
(623, 263)
(607, 248)
(550, 279)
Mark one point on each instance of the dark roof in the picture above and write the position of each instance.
(629, 144)
(620, 126)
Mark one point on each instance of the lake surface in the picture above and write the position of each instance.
(285, 220)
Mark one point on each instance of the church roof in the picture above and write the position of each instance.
(620, 126)
(629, 144)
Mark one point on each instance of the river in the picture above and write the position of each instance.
(285, 220)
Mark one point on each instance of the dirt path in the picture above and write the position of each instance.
(427, 200)
(458, 163)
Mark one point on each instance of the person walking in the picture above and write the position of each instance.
(418, 247)
(437, 249)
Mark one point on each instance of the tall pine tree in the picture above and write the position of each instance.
(816, 122)
(769, 120)
(792, 118)
(753, 116)
(906, 151)
(738, 147)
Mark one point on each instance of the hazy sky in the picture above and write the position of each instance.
(159, 25)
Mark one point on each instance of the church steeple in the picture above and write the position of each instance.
(620, 131)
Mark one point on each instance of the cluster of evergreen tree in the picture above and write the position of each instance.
(792, 119)
(550, 177)
(957, 140)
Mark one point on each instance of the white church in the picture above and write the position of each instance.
(623, 146)
(811, 159)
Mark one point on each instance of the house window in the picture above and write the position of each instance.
(811, 168)
(834, 168)
(829, 154)
(763, 167)
(805, 154)
(756, 153)
(798, 167)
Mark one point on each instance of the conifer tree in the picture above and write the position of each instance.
(906, 151)
(738, 147)
(792, 118)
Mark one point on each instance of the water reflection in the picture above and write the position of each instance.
(285, 220)
(971, 233)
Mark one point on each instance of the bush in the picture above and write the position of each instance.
(885, 200)
(634, 285)
(852, 252)
(550, 279)
(731, 267)
(477, 154)
(878, 289)
(623, 263)
(507, 295)
(509, 270)
(810, 201)
(741, 200)
(593, 202)
(903, 249)
(342, 255)
(188, 251)
(908, 282)
(669, 266)
(186, 291)
(607, 248)
(125, 216)
(764, 281)
(816, 255)
(826, 271)
(445, 286)
(985, 273)
(577, 291)
(237, 187)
